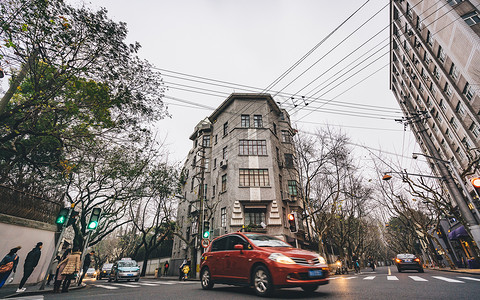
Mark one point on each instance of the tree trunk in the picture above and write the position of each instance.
(145, 261)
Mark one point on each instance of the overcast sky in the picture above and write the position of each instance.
(253, 42)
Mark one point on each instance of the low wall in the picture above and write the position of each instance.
(16, 231)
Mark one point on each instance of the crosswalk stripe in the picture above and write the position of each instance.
(148, 284)
(350, 277)
(392, 278)
(108, 287)
(126, 284)
(331, 278)
(470, 278)
(369, 278)
(417, 278)
(448, 279)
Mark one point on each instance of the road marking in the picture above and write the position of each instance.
(167, 282)
(448, 279)
(369, 278)
(417, 278)
(34, 297)
(350, 277)
(392, 278)
(389, 272)
(147, 284)
(108, 287)
(470, 278)
(331, 278)
(126, 284)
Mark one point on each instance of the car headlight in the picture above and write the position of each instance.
(280, 258)
(322, 260)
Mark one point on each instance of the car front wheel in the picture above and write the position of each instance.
(262, 281)
(206, 279)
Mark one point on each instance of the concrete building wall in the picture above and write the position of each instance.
(16, 231)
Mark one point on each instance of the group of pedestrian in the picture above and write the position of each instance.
(62, 270)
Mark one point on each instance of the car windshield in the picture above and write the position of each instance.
(107, 266)
(127, 264)
(403, 256)
(90, 270)
(261, 240)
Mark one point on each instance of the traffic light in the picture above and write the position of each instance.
(476, 184)
(94, 218)
(292, 221)
(62, 216)
(206, 229)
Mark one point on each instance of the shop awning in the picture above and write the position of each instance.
(457, 233)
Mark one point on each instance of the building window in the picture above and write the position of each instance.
(448, 134)
(216, 138)
(442, 105)
(274, 128)
(419, 24)
(207, 164)
(409, 11)
(433, 90)
(426, 58)
(468, 91)
(471, 18)
(214, 163)
(459, 109)
(447, 89)
(286, 137)
(245, 122)
(224, 183)
(206, 141)
(289, 160)
(255, 216)
(225, 128)
(429, 39)
(292, 188)
(466, 143)
(223, 217)
(224, 152)
(429, 102)
(214, 191)
(454, 2)
(280, 182)
(475, 130)
(253, 147)
(454, 123)
(436, 73)
(194, 229)
(254, 177)
(453, 71)
(441, 54)
(257, 121)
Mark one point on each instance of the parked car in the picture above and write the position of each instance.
(261, 261)
(105, 271)
(91, 273)
(125, 269)
(408, 262)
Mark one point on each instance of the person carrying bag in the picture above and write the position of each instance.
(8, 265)
(72, 265)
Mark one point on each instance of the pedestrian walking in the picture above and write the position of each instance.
(30, 263)
(165, 268)
(86, 265)
(67, 270)
(58, 273)
(53, 269)
(8, 265)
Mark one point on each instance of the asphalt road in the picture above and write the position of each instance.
(368, 285)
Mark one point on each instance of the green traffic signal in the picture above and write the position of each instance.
(60, 220)
(206, 229)
(93, 225)
(62, 216)
(94, 218)
(206, 234)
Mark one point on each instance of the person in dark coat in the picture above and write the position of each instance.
(86, 264)
(30, 263)
(8, 265)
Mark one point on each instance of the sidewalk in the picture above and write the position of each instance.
(459, 270)
(9, 291)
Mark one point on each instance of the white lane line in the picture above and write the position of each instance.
(126, 284)
(108, 287)
(417, 278)
(470, 278)
(369, 278)
(392, 278)
(448, 279)
(350, 277)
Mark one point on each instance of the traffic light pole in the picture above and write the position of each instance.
(57, 245)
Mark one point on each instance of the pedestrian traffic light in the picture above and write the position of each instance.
(476, 184)
(62, 216)
(292, 222)
(94, 218)
(206, 229)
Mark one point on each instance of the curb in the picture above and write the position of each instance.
(455, 271)
(38, 292)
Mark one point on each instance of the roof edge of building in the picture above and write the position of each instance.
(244, 96)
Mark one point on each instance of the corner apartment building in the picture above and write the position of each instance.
(241, 170)
(435, 77)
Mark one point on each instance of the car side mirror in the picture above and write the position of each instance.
(238, 247)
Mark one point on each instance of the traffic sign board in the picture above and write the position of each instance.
(205, 243)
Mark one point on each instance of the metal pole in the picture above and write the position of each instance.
(42, 287)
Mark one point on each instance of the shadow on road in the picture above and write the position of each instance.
(278, 294)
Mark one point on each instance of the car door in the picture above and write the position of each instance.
(216, 258)
(238, 262)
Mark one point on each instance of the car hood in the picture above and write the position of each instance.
(290, 251)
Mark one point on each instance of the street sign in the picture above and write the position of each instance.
(205, 243)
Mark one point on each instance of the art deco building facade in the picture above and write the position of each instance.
(241, 170)
(435, 76)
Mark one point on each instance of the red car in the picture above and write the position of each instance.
(261, 261)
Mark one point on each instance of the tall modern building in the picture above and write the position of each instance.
(435, 77)
(239, 175)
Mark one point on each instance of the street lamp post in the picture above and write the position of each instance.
(458, 197)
